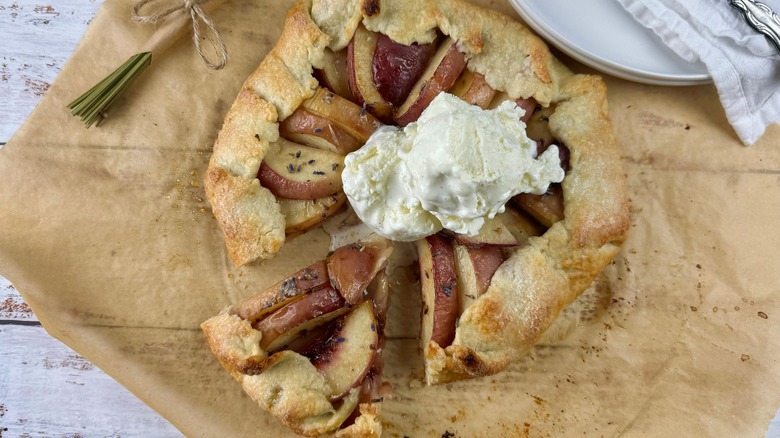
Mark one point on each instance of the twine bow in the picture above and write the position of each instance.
(196, 13)
(92, 106)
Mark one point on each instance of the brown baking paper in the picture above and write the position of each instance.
(107, 234)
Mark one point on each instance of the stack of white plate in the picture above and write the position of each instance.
(603, 35)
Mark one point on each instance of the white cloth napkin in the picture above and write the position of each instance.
(744, 65)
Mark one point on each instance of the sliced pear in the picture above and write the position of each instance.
(301, 214)
(334, 74)
(317, 131)
(520, 224)
(475, 267)
(360, 68)
(304, 314)
(439, 286)
(294, 171)
(443, 70)
(546, 208)
(493, 232)
(351, 268)
(474, 89)
(282, 293)
(352, 118)
(346, 357)
(397, 67)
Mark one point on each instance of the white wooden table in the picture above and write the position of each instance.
(47, 389)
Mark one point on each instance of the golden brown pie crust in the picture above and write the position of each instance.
(528, 290)
(285, 383)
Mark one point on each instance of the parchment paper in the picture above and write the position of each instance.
(107, 234)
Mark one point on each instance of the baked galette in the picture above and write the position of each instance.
(341, 70)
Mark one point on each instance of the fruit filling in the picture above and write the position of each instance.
(396, 67)
(372, 82)
(375, 81)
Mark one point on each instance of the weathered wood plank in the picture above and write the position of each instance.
(36, 38)
(12, 306)
(46, 389)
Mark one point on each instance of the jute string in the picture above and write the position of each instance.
(196, 13)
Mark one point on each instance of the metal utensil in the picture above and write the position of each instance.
(761, 18)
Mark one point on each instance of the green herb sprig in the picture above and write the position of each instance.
(92, 106)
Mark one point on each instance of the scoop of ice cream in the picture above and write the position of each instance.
(452, 168)
(377, 185)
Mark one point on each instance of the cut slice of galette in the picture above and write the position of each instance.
(309, 348)
(340, 70)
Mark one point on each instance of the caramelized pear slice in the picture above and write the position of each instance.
(473, 89)
(493, 232)
(520, 224)
(446, 65)
(317, 131)
(291, 288)
(439, 287)
(397, 67)
(475, 267)
(294, 171)
(334, 73)
(306, 313)
(352, 267)
(346, 357)
(546, 208)
(352, 118)
(300, 214)
(360, 68)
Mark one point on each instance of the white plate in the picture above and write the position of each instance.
(603, 35)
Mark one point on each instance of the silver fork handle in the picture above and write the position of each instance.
(761, 18)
